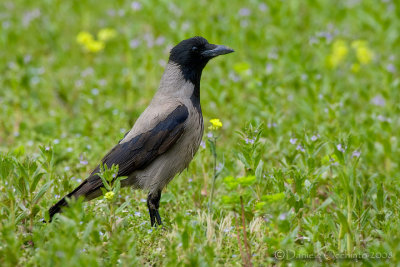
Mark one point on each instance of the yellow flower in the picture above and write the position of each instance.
(109, 195)
(84, 37)
(363, 53)
(106, 34)
(339, 52)
(215, 124)
(94, 46)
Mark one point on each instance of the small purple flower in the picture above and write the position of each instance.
(203, 144)
(356, 154)
(269, 68)
(136, 6)
(27, 58)
(234, 77)
(160, 40)
(283, 216)
(219, 167)
(30, 16)
(47, 148)
(301, 148)
(121, 12)
(262, 7)
(134, 43)
(384, 119)
(210, 135)
(244, 23)
(102, 82)
(249, 141)
(111, 12)
(341, 148)
(293, 141)
(138, 214)
(313, 40)
(84, 162)
(244, 12)
(272, 55)
(95, 91)
(314, 137)
(378, 101)
(87, 72)
(391, 68)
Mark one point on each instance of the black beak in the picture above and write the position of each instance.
(217, 50)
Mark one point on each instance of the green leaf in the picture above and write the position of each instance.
(243, 160)
(232, 199)
(185, 239)
(120, 208)
(36, 179)
(231, 182)
(41, 192)
(105, 182)
(260, 205)
(273, 197)
(259, 170)
(246, 180)
(325, 203)
(343, 223)
(88, 230)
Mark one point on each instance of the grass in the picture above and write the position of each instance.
(307, 159)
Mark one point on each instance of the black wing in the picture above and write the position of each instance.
(141, 150)
(132, 155)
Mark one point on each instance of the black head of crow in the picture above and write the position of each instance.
(196, 52)
(166, 136)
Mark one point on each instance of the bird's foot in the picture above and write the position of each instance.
(153, 202)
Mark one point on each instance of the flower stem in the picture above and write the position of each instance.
(214, 153)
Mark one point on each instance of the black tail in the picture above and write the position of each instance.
(57, 208)
(89, 189)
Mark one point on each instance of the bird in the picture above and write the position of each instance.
(165, 137)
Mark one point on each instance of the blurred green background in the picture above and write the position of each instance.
(312, 89)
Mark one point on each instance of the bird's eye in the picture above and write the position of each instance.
(194, 48)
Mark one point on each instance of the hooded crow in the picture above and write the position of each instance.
(167, 134)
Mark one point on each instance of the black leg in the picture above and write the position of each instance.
(153, 203)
